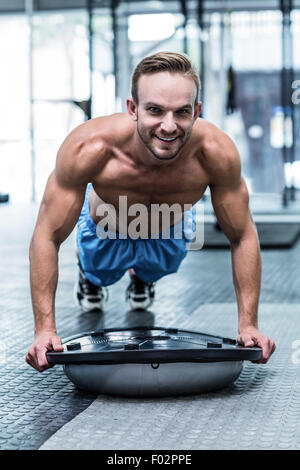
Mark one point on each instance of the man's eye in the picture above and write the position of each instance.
(183, 111)
(153, 109)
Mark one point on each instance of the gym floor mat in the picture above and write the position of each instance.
(34, 406)
(260, 411)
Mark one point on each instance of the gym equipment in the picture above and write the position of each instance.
(4, 197)
(144, 362)
(274, 231)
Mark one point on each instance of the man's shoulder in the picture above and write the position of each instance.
(88, 147)
(217, 152)
(102, 132)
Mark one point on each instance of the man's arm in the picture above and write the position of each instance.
(230, 200)
(59, 211)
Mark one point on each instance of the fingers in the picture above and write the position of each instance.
(57, 344)
(249, 343)
(36, 356)
(246, 340)
(268, 347)
(266, 344)
(38, 364)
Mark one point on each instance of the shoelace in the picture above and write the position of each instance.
(92, 290)
(99, 292)
(139, 286)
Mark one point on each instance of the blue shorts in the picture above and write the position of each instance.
(105, 261)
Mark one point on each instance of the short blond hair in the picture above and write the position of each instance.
(164, 62)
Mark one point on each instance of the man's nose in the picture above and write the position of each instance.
(168, 124)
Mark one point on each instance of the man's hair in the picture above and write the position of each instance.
(164, 62)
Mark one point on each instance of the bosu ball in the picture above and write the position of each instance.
(151, 362)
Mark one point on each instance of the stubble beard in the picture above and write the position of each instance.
(146, 142)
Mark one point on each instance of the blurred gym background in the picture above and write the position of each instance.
(65, 61)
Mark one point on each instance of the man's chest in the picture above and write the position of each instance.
(167, 185)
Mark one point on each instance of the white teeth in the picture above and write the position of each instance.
(167, 140)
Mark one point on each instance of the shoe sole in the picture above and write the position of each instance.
(139, 305)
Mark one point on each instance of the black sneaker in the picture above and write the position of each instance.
(139, 294)
(89, 296)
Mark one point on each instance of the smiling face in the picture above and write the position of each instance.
(165, 113)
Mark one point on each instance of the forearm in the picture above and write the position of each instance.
(246, 267)
(43, 282)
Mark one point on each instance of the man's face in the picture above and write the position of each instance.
(166, 112)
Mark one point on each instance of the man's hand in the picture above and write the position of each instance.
(251, 336)
(43, 342)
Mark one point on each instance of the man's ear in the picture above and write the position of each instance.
(132, 109)
(197, 110)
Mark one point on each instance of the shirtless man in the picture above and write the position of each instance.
(158, 152)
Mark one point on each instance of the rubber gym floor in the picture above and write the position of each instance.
(261, 410)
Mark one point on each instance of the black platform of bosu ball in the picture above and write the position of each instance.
(144, 362)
